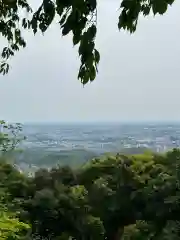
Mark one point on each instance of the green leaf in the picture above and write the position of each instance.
(63, 18)
(48, 6)
(92, 4)
(91, 32)
(85, 78)
(76, 38)
(81, 72)
(97, 56)
(66, 29)
(126, 4)
(146, 9)
(34, 24)
(24, 23)
(83, 75)
(122, 23)
(59, 8)
(92, 73)
(170, 2)
(159, 6)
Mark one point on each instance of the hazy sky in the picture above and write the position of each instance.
(139, 75)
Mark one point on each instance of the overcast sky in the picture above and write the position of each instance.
(138, 80)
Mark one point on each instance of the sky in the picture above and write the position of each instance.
(138, 79)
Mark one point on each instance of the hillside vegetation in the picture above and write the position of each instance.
(111, 197)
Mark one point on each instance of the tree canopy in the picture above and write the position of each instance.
(78, 17)
(11, 227)
(127, 197)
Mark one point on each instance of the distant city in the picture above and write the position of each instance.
(74, 144)
(158, 138)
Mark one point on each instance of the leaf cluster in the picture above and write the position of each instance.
(75, 17)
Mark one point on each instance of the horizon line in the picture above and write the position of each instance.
(104, 122)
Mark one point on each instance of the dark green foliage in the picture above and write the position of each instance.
(10, 23)
(78, 17)
(114, 197)
(131, 10)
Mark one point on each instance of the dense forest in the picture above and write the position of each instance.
(112, 197)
